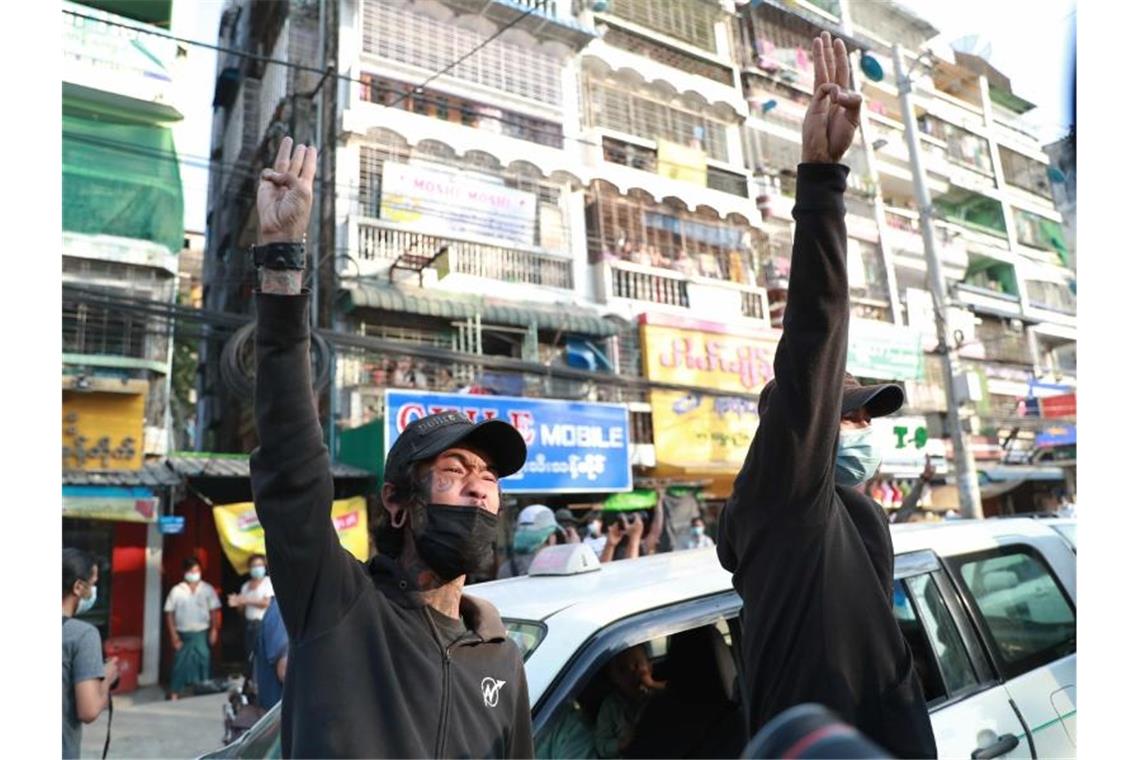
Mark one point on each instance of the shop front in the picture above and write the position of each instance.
(111, 501)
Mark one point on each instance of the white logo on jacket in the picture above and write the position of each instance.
(491, 691)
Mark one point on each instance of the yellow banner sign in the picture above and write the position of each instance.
(691, 429)
(241, 534)
(103, 431)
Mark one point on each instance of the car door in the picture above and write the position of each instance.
(1027, 620)
(970, 711)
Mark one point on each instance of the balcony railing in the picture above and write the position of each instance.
(636, 282)
(641, 283)
(378, 245)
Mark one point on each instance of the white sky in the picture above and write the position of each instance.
(1032, 44)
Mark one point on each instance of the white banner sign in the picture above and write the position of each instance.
(449, 204)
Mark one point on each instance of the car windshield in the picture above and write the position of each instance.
(528, 634)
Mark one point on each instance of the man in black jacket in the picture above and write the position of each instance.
(387, 658)
(811, 556)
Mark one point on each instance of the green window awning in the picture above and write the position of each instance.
(457, 306)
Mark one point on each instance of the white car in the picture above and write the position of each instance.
(988, 608)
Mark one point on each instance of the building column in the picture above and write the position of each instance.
(152, 608)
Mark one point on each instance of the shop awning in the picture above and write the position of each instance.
(189, 465)
(1005, 473)
(152, 475)
(455, 306)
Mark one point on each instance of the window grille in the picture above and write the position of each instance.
(1025, 173)
(612, 107)
(469, 113)
(670, 56)
(622, 226)
(693, 21)
(402, 35)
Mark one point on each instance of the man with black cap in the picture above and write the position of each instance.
(387, 658)
(810, 555)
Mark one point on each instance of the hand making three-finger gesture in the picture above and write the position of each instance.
(285, 194)
(833, 115)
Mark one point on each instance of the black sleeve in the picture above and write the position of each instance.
(314, 578)
(520, 743)
(788, 472)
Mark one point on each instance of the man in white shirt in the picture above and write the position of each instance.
(253, 601)
(193, 619)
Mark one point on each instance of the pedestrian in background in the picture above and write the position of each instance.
(193, 619)
(697, 538)
(253, 601)
(271, 657)
(87, 680)
(535, 529)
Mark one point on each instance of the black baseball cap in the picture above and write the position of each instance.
(880, 400)
(428, 436)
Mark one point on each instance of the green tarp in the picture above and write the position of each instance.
(121, 179)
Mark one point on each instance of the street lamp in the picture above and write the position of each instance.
(969, 495)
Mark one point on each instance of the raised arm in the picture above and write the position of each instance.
(290, 470)
(790, 462)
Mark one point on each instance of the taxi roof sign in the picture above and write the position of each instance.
(565, 559)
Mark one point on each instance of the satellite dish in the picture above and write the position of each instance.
(1055, 174)
(870, 67)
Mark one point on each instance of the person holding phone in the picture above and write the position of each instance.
(87, 679)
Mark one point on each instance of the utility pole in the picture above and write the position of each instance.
(969, 497)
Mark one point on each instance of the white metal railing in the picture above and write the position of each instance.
(637, 282)
(642, 283)
(379, 243)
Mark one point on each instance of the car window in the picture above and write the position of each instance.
(677, 695)
(942, 633)
(1025, 615)
(526, 633)
(925, 664)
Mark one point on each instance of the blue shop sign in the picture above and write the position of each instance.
(572, 446)
(171, 524)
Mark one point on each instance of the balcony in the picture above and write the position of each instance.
(678, 293)
(379, 244)
(545, 19)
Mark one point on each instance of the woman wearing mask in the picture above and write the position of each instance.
(193, 618)
(253, 601)
(87, 680)
(697, 538)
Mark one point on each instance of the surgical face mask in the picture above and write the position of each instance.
(697, 531)
(257, 572)
(857, 458)
(87, 602)
(192, 577)
(456, 541)
(596, 528)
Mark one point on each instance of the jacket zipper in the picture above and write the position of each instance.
(441, 735)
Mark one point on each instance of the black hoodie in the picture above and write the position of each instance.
(372, 671)
(813, 561)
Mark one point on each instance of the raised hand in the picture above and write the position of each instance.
(833, 115)
(285, 194)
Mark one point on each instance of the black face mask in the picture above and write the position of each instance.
(456, 540)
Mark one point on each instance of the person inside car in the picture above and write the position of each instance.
(810, 555)
(632, 678)
(387, 658)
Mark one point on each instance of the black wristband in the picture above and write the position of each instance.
(283, 256)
